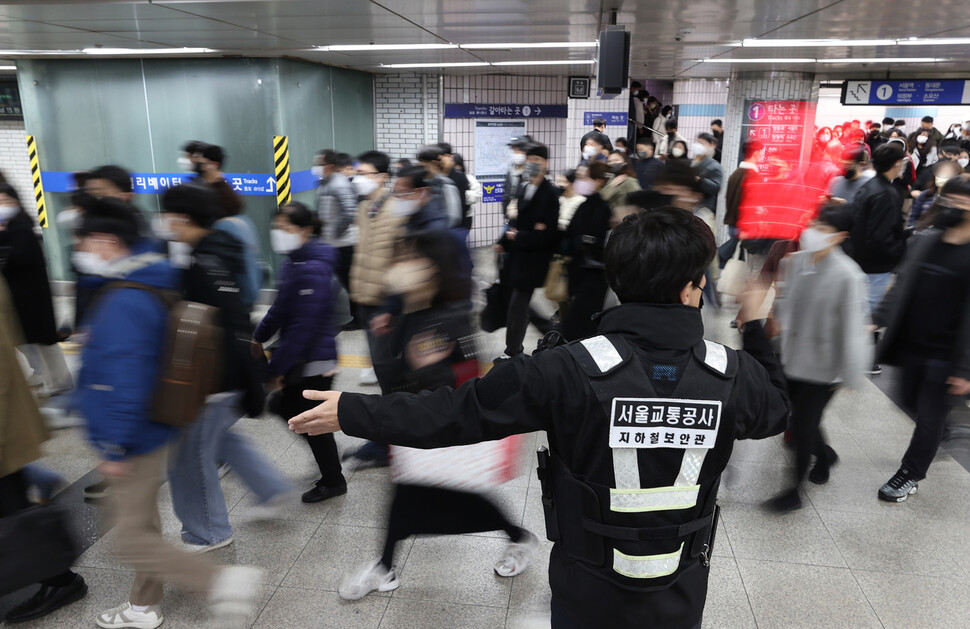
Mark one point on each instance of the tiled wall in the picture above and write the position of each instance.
(698, 102)
(596, 103)
(500, 89)
(14, 163)
(662, 90)
(406, 112)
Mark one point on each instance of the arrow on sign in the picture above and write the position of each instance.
(538, 111)
(271, 184)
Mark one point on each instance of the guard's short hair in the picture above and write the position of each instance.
(651, 256)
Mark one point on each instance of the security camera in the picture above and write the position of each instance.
(678, 37)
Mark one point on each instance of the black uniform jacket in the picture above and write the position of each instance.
(550, 392)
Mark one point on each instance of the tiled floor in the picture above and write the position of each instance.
(846, 560)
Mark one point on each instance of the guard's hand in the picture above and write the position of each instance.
(511, 234)
(958, 386)
(320, 420)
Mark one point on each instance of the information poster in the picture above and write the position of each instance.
(492, 146)
(10, 101)
(783, 126)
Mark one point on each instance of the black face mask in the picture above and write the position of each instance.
(197, 167)
(949, 216)
(850, 173)
(616, 169)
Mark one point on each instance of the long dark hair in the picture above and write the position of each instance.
(445, 253)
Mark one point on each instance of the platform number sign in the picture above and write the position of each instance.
(884, 92)
(756, 112)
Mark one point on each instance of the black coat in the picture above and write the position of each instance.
(25, 269)
(647, 171)
(586, 235)
(601, 137)
(531, 250)
(877, 241)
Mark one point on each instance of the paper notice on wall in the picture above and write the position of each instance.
(492, 146)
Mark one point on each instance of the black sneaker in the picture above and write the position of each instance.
(785, 503)
(96, 491)
(900, 487)
(820, 473)
(48, 599)
(322, 492)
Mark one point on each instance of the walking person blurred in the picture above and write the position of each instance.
(306, 355)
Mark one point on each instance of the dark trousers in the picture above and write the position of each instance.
(924, 394)
(588, 289)
(324, 447)
(518, 320)
(345, 257)
(13, 498)
(808, 402)
(562, 620)
(418, 510)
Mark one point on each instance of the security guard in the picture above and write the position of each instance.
(641, 422)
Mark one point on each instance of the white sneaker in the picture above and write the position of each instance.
(202, 548)
(234, 595)
(125, 616)
(517, 556)
(274, 507)
(367, 377)
(374, 576)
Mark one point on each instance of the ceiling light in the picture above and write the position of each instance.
(548, 44)
(808, 43)
(145, 51)
(560, 62)
(378, 47)
(459, 64)
(8, 67)
(937, 41)
(884, 60)
(21, 53)
(762, 60)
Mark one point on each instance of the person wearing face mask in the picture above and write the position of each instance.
(926, 317)
(665, 148)
(516, 165)
(852, 163)
(635, 112)
(24, 268)
(964, 160)
(599, 134)
(926, 125)
(529, 242)
(888, 124)
(877, 241)
(473, 195)
(942, 173)
(189, 212)
(948, 151)
(753, 153)
(594, 151)
(120, 365)
(569, 198)
(189, 157)
(585, 242)
(678, 152)
(646, 164)
(821, 294)
(337, 208)
(306, 355)
(444, 192)
(623, 180)
(710, 174)
(923, 151)
(875, 139)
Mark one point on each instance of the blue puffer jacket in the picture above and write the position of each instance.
(302, 312)
(122, 358)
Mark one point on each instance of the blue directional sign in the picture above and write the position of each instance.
(492, 191)
(476, 110)
(612, 118)
(928, 92)
(246, 184)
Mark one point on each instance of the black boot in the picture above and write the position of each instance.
(48, 598)
(319, 493)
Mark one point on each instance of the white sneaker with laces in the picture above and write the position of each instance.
(517, 556)
(374, 576)
(367, 376)
(201, 548)
(125, 616)
(233, 597)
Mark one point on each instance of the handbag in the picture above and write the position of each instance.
(734, 276)
(35, 544)
(495, 313)
(476, 468)
(557, 280)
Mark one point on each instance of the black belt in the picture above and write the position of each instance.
(632, 534)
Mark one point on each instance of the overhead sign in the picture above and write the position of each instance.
(612, 118)
(246, 184)
(492, 191)
(779, 124)
(930, 92)
(475, 110)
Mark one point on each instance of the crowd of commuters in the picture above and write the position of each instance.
(884, 246)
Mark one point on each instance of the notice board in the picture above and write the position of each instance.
(492, 146)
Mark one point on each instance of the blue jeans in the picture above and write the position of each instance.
(194, 476)
(878, 285)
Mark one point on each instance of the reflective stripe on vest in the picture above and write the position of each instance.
(647, 566)
(603, 352)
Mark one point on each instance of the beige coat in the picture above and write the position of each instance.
(375, 251)
(615, 193)
(22, 428)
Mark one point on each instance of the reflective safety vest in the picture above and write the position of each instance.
(656, 517)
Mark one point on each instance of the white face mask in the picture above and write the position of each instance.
(186, 164)
(814, 240)
(584, 187)
(922, 139)
(70, 219)
(163, 229)
(677, 151)
(589, 152)
(365, 185)
(518, 158)
(180, 254)
(406, 207)
(317, 171)
(941, 181)
(88, 263)
(7, 212)
(700, 150)
(963, 161)
(284, 242)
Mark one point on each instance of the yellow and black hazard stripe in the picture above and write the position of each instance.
(281, 157)
(38, 184)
